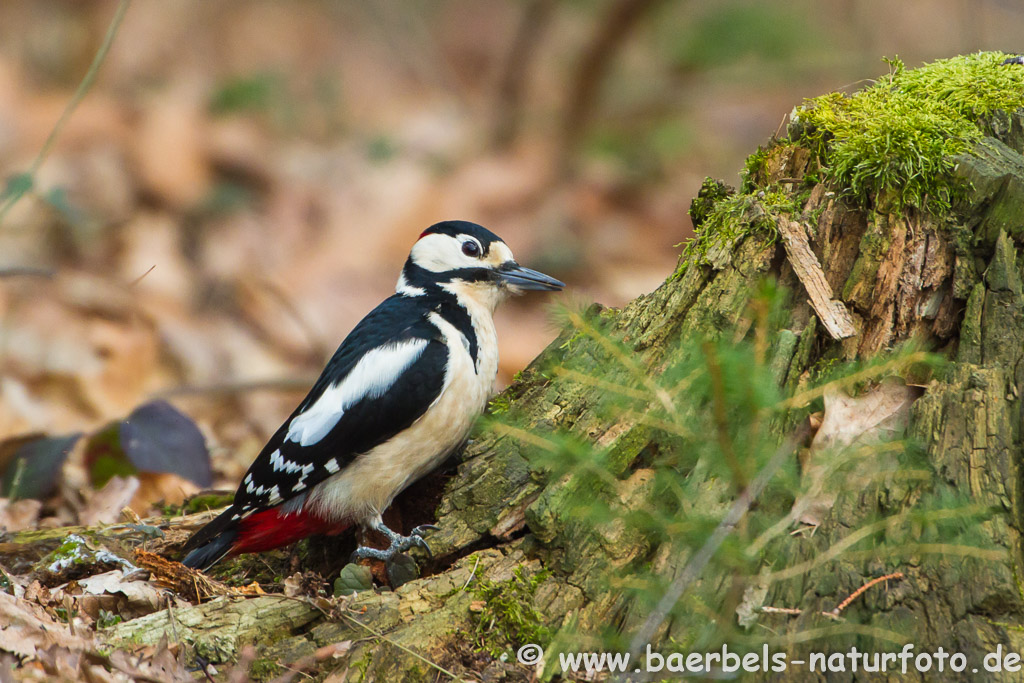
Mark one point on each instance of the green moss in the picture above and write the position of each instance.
(893, 144)
(210, 501)
(264, 669)
(710, 194)
(972, 85)
(499, 404)
(69, 549)
(567, 344)
(732, 217)
(508, 616)
(755, 168)
(207, 501)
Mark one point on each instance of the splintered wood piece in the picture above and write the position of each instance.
(191, 584)
(831, 312)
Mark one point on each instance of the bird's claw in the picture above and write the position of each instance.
(399, 544)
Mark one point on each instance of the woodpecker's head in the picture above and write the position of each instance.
(468, 261)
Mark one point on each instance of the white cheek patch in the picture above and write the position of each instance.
(439, 253)
(372, 376)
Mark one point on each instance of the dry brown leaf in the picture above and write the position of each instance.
(129, 354)
(293, 585)
(104, 506)
(164, 664)
(156, 487)
(881, 414)
(20, 514)
(252, 589)
(333, 650)
(169, 150)
(139, 597)
(25, 629)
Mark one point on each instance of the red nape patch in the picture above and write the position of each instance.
(424, 234)
(272, 529)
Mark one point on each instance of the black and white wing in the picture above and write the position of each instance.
(383, 377)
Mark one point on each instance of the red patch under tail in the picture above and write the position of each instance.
(273, 528)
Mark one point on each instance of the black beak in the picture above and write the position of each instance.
(514, 275)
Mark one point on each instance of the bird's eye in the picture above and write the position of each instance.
(470, 248)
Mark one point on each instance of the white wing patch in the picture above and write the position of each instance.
(374, 374)
(273, 493)
(278, 462)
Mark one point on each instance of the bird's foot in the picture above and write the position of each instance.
(399, 543)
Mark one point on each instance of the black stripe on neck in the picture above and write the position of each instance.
(445, 303)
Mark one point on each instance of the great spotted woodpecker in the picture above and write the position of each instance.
(400, 393)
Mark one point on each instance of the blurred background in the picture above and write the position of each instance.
(245, 178)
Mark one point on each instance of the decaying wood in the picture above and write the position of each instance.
(218, 629)
(832, 313)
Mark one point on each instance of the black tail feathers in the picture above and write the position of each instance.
(210, 544)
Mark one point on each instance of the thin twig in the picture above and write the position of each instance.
(27, 271)
(525, 436)
(472, 573)
(665, 426)
(170, 618)
(583, 378)
(841, 546)
(805, 397)
(832, 614)
(790, 611)
(139, 278)
(860, 591)
(76, 99)
(581, 324)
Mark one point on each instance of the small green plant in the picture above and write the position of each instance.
(106, 619)
(508, 617)
(253, 92)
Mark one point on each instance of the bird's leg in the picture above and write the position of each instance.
(399, 543)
